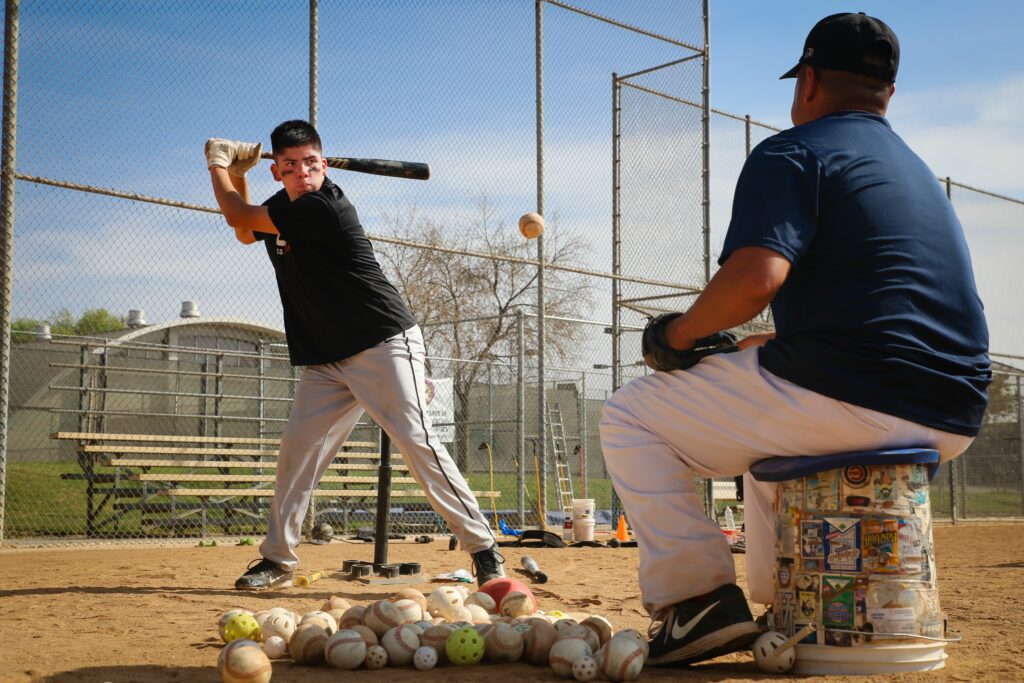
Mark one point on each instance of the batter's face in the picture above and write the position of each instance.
(300, 169)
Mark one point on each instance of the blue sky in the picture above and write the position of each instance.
(123, 94)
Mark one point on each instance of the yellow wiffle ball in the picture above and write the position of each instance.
(465, 646)
(241, 626)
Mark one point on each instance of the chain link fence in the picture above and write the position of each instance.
(148, 379)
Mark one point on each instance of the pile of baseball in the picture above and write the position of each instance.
(453, 625)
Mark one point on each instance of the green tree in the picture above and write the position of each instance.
(63, 323)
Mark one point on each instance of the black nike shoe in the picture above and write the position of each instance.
(487, 565)
(703, 628)
(263, 574)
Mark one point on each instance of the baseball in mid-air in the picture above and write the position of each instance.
(531, 225)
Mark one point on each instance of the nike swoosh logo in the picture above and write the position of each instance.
(680, 633)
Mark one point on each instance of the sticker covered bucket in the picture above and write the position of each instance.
(853, 553)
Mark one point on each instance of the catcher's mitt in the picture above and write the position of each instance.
(660, 356)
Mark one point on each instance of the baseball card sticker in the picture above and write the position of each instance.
(884, 485)
(881, 544)
(842, 544)
(784, 611)
(784, 573)
(810, 540)
(893, 620)
(808, 597)
(822, 492)
(837, 601)
(911, 545)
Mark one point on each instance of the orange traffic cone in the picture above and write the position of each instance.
(620, 533)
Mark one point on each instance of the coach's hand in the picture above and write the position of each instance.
(247, 155)
(660, 356)
(220, 153)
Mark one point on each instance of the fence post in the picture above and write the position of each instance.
(584, 433)
(1020, 441)
(520, 419)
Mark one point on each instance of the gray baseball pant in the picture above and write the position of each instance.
(387, 382)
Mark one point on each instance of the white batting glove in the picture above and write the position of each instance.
(247, 155)
(220, 153)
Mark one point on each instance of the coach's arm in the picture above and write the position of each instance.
(742, 287)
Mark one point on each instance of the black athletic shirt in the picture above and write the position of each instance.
(337, 301)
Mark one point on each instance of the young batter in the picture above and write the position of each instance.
(880, 340)
(348, 325)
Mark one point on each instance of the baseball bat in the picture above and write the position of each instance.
(530, 565)
(797, 637)
(305, 579)
(413, 170)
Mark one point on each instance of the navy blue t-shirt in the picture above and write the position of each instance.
(337, 301)
(880, 308)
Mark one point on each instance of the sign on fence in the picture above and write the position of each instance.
(440, 400)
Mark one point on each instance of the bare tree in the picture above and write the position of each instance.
(467, 304)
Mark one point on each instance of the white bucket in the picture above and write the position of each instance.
(583, 529)
(825, 660)
(582, 507)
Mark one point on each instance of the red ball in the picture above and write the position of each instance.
(498, 588)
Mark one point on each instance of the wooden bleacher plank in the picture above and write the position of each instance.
(229, 464)
(236, 452)
(329, 479)
(323, 493)
(175, 438)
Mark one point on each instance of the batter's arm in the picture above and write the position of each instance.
(241, 185)
(742, 287)
(238, 212)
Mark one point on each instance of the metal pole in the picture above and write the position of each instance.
(616, 230)
(261, 388)
(7, 157)
(490, 405)
(542, 421)
(705, 144)
(521, 417)
(218, 390)
(1020, 436)
(584, 432)
(314, 30)
(380, 537)
(747, 131)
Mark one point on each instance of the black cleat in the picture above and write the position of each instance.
(703, 628)
(487, 565)
(263, 574)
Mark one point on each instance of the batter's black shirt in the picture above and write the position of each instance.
(337, 301)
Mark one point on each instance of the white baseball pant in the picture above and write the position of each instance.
(717, 419)
(387, 382)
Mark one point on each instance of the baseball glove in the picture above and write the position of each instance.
(660, 356)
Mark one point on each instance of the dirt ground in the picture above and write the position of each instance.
(149, 613)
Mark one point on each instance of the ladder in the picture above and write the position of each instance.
(561, 464)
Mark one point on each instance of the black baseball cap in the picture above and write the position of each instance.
(844, 42)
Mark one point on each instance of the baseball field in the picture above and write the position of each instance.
(123, 614)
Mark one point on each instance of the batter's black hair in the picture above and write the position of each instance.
(294, 133)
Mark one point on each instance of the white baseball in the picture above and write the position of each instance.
(335, 602)
(531, 225)
(464, 589)
(346, 649)
(322, 619)
(564, 653)
(636, 636)
(583, 633)
(425, 658)
(441, 602)
(584, 669)
(622, 659)
(565, 622)
(483, 629)
(423, 625)
(226, 617)
(278, 624)
(516, 604)
(246, 665)
(484, 600)
(401, 643)
(437, 637)
(308, 643)
(353, 616)
(409, 611)
(381, 616)
(411, 594)
(275, 647)
(503, 644)
(599, 625)
(376, 657)
(460, 613)
(234, 645)
(367, 633)
(478, 615)
(538, 640)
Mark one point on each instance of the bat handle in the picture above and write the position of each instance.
(797, 637)
(305, 580)
(530, 565)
